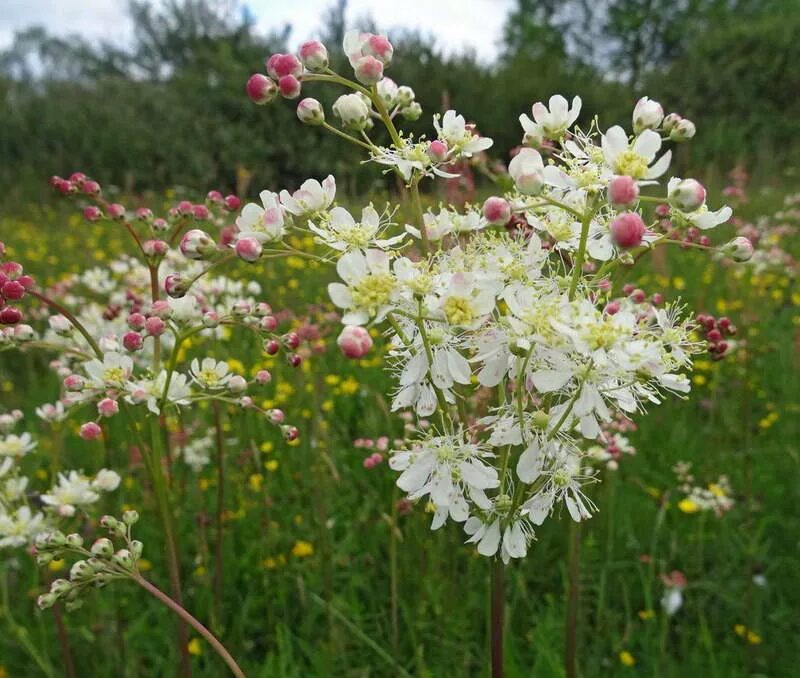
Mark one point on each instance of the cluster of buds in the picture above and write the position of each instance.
(380, 445)
(13, 286)
(98, 565)
(717, 332)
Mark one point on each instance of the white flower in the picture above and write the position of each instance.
(310, 197)
(210, 374)
(370, 287)
(552, 123)
(512, 541)
(672, 600)
(52, 412)
(564, 480)
(20, 528)
(635, 160)
(151, 391)
(263, 222)
(197, 453)
(16, 445)
(112, 372)
(186, 309)
(73, 490)
(647, 114)
(465, 301)
(106, 480)
(452, 129)
(341, 232)
(449, 470)
(352, 110)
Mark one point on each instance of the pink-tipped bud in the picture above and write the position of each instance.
(116, 211)
(160, 225)
(378, 46)
(623, 191)
(289, 87)
(269, 323)
(437, 150)
(10, 315)
(294, 360)
(155, 248)
(77, 178)
(23, 332)
(90, 431)
(90, 187)
(261, 89)
(310, 112)
(688, 195)
(246, 402)
(272, 346)
(354, 342)
(210, 319)
(74, 382)
(314, 56)
(638, 296)
(232, 203)
(368, 70)
(12, 290)
(201, 212)
(627, 230)
(214, 198)
(276, 416)
(133, 341)
(175, 286)
(262, 308)
(144, 214)
(136, 321)
(263, 377)
(290, 433)
(670, 122)
(154, 326)
(248, 249)
(92, 213)
(107, 407)
(612, 307)
(291, 340)
(281, 65)
(739, 249)
(237, 384)
(197, 244)
(657, 299)
(497, 211)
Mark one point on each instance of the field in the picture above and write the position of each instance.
(306, 562)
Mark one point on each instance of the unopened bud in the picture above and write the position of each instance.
(310, 112)
(314, 56)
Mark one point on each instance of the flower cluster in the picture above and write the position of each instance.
(716, 497)
(518, 298)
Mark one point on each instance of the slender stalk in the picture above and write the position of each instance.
(165, 511)
(573, 578)
(420, 215)
(72, 319)
(218, 567)
(63, 642)
(346, 136)
(187, 618)
(497, 617)
(580, 256)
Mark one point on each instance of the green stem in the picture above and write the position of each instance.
(497, 617)
(573, 575)
(346, 136)
(72, 319)
(423, 231)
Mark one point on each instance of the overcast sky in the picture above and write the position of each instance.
(457, 24)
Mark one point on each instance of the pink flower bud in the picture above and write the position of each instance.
(160, 225)
(289, 87)
(314, 56)
(638, 296)
(368, 70)
(237, 384)
(197, 244)
(623, 191)
(154, 326)
(294, 360)
(271, 347)
(290, 340)
(310, 112)
(276, 416)
(144, 214)
(184, 208)
(260, 89)
(687, 195)
(281, 65)
(262, 309)
(116, 211)
(136, 321)
(161, 308)
(74, 382)
(90, 431)
(214, 197)
(497, 211)
(662, 210)
(77, 178)
(155, 248)
(263, 377)
(290, 433)
(210, 319)
(91, 187)
(354, 342)
(92, 213)
(739, 249)
(107, 407)
(627, 230)
(378, 46)
(437, 150)
(248, 249)
(269, 323)
(246, 402)
(133, 341)
(12, 290)
(612, 307)
(9, 315)
(23, 332)
(657, 299)
(232, 203)
(200, 212)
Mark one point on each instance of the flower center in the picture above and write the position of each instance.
(631, 164)
(373, 291)
(459, 311)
